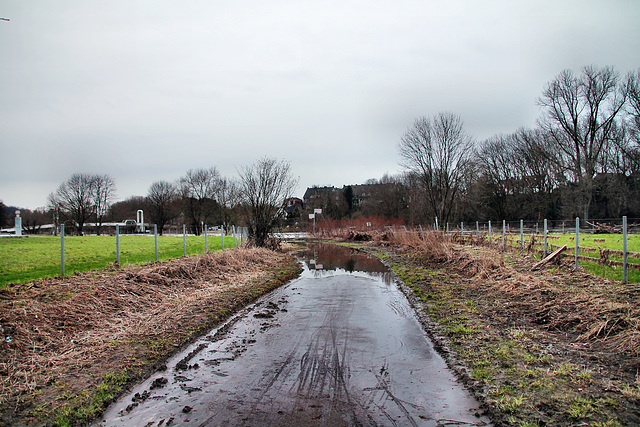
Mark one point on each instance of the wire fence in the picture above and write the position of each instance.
(543, 238)
(239, 236)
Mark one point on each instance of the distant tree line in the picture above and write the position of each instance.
(200, 197)
(582, 159)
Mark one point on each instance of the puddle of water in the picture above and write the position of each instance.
(338, 346)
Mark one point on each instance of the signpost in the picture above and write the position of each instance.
(313, 217)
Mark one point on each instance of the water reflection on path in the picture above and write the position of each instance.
(338, 346)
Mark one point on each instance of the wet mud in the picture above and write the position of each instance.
(338, 346)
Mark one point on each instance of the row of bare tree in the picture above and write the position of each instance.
(82, 198)
(583, 159)
(201, 196)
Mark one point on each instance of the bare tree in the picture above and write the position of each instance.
(517, 176)
(228, 197)
(32, 221)
(631, 148)
(496, 159)
(81, 198)
(198, 189)
(265, 186)
(386, 197)
(161, 200)
(581, 114)
(74, 200)
(103, 192)
(438, 151)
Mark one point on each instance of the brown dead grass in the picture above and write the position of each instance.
(592, 309)
(82, 326)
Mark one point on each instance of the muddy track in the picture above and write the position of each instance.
(334, 347)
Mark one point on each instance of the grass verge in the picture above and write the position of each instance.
(597, 243)
(36, 257)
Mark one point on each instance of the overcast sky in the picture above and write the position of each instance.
(145, 90)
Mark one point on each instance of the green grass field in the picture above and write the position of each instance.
(35, 257)
(595, 241)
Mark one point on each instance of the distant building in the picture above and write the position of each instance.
(314, 194)
(292, 206)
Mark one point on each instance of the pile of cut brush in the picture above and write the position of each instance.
(359, 236)
(601, 228)
(77, 328)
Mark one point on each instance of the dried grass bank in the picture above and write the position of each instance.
(70, 344)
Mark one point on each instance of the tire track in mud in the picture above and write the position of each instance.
(325, 365)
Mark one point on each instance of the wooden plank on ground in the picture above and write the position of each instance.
(549, 258)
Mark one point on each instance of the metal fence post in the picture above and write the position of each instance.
(62, 249)
(206, 246)
(234, 237)
(477, 231)
(545, 238)
(447, 228)
(521, 236)
(489, 233)
(462, 231)
(624, 249)
(118, 245)
(155, 238)
(184, 239)
(504, 235)
(222, 234)
(577, 239)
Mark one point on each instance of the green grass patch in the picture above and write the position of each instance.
(36, 257)
(86, 406)
(594, 241)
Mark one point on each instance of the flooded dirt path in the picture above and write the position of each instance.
(338, 346)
